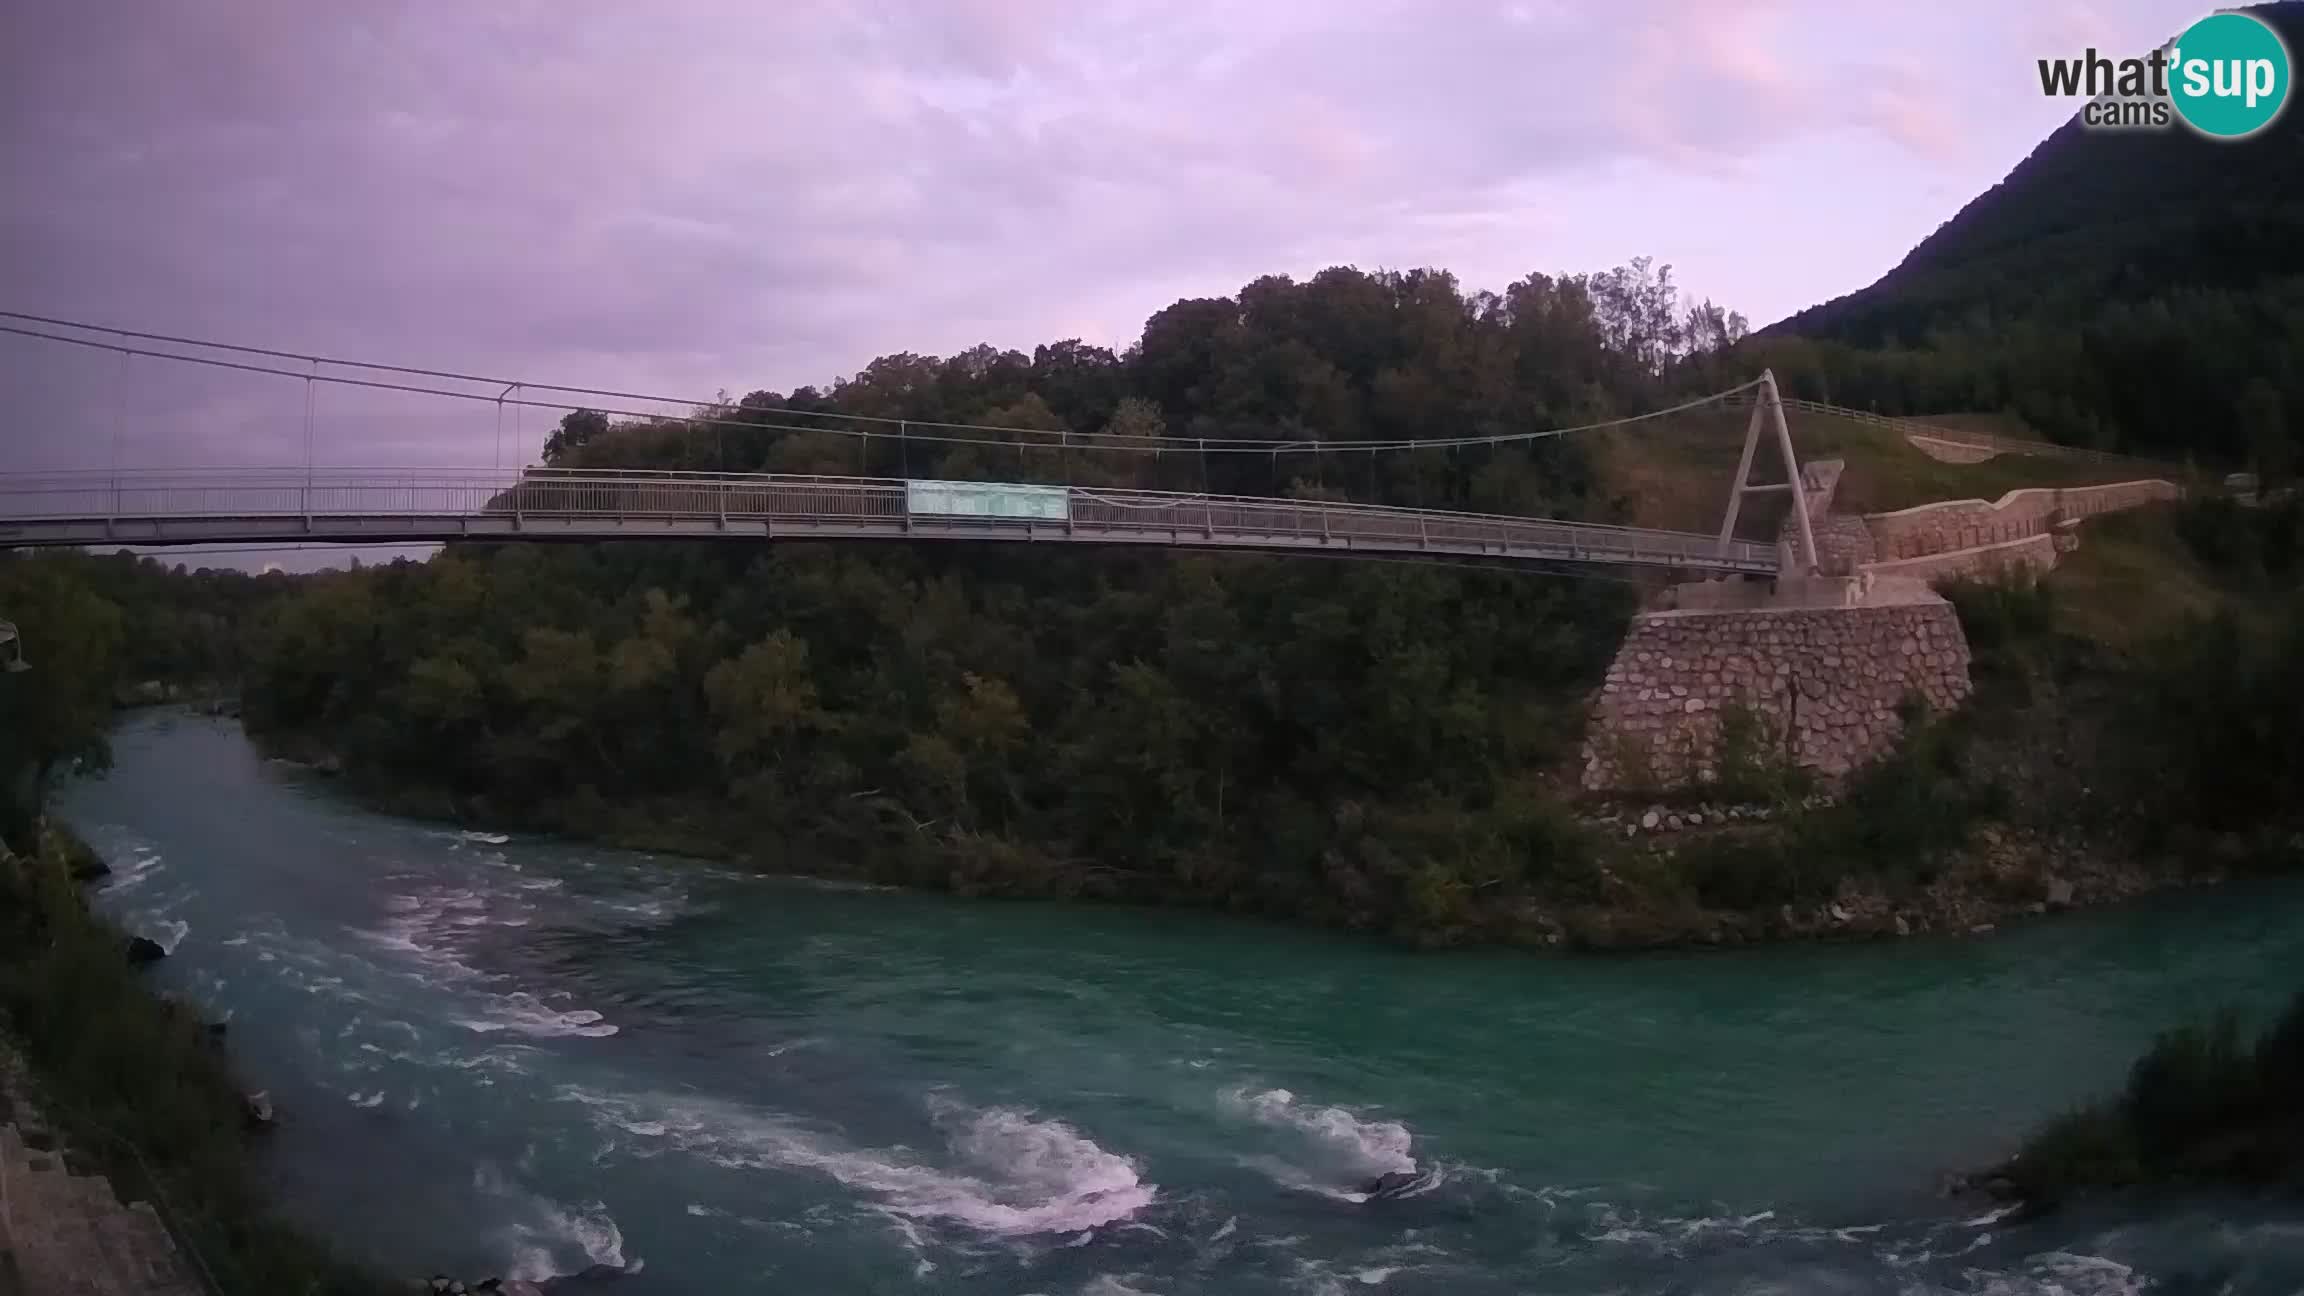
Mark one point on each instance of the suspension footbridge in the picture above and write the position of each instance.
(397, 505)
(312, 503)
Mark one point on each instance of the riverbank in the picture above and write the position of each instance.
(2039, 797)
(1820, 870)
(137, 1085)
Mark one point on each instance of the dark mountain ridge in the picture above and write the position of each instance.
(2093, 215)
(2129, 290)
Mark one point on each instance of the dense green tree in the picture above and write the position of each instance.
(577, 429)
(2264, 426)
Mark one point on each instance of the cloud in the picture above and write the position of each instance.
(709, 193)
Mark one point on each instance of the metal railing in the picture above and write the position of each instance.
(176, 506)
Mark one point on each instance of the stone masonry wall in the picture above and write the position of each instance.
(1843, 542)
(1824, 685)
(2035, 554)
(1967, 524)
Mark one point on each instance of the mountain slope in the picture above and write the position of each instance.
(2097, 214)
(2141, 291)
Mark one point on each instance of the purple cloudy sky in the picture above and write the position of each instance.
(728, 194)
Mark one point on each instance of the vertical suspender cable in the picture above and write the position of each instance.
(119, 421)
(308, 405)
(508, 390)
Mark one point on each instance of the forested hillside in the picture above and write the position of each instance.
(91, 625)
(1369, 743)
(2130, 290)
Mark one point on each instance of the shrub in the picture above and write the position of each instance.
(2090, 1147)
(1755, 764)
(2222, 702)
(2201, 1106)
(2248, 545)
(2007, 621)
(1753, 873)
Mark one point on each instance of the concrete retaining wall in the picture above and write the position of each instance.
(1959, 452)
(1823, 684)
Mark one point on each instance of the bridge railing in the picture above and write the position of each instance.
(398, 492)
(854, 504)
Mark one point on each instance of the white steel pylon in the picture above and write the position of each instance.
(1770, 407)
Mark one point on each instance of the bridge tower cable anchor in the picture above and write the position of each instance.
(1768, 411)
(1792, 471)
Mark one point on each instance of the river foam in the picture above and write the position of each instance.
(435, 929)
(1326, 1149)
(544, 1238)
(1006, 1173)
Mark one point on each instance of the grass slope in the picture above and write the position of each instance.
(2132, 580)
(1674, 473)
(2007, 424)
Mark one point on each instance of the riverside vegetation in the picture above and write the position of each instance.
(2203, 1106)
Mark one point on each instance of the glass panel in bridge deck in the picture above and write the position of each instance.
(988, 499)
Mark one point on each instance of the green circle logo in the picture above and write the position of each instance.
(2228, 75)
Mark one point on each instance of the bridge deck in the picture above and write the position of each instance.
(351, 505)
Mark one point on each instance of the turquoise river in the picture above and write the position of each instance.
(519, 1056)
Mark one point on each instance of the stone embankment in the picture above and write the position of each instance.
(1633, 821)
(63, 1231)
(1820, 687)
